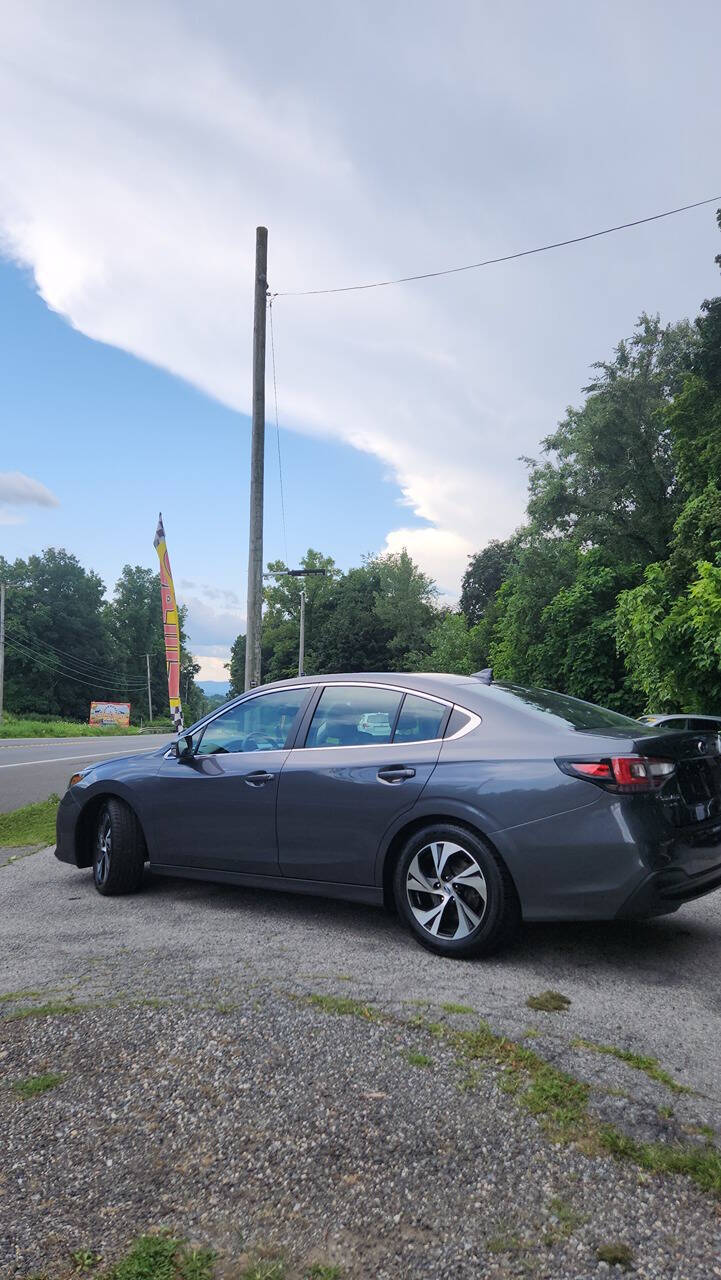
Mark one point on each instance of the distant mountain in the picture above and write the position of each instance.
(213, 687)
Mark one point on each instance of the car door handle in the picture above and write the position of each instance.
(258, 778)
(395, 774)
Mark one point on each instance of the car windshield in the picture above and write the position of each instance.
(576, 713)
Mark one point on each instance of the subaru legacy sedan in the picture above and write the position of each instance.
(467, 805)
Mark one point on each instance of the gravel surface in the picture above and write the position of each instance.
(203, 1092)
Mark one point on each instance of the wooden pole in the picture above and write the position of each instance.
(257, 459)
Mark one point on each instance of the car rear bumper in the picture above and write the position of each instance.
(613, 860)
(666, 891)
(66, 829)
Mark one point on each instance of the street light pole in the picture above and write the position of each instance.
(301, 643)
(298, 573)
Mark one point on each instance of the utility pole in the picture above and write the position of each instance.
(150, 701)
(257, 458)
(2, 647)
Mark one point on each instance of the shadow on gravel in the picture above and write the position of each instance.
(662, 951)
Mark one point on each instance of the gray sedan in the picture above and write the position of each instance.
(467, 805)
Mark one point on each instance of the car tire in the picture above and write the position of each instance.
(454, 893)
(119, 850)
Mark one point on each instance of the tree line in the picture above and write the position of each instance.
(66, 644)
(611, 588)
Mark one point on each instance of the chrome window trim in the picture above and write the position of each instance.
(473, 723)
(374, 746)
(252, 693)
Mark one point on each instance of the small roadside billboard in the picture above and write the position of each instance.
(110, 713)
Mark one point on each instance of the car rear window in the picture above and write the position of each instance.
(574, 711)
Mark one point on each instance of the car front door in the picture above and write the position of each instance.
(368, 754)
(215, 808)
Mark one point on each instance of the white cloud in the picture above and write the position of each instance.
(211, 667)
(141, 143)
(19, 490)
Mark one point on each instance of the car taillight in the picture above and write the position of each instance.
(621, 773)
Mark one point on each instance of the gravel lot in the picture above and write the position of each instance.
(203, 1090)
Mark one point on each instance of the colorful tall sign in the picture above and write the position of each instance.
(170, 627)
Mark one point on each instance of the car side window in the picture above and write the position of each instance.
(262, 723)
(420, 719)
(353, 716)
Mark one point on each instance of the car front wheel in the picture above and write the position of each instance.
(119, 852)
(454, 893)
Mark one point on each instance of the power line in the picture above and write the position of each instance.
(31, 656)
(277, 427)
(80, 664)
(53, 664)
(488, 262)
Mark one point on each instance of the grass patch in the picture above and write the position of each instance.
(457, 1008)
(85, 1259)
(33, 1085)
(504, 1242)
(702, 1164)
(324, 1271)
(549, 1002)
(566, 1221)
(615, 1254)
(53, 727)
(162, 1257)
(418, 1059)
(649, 1066)
(264, 1269)
(33, 824)
(51, 1009)
(345, 1006)
(14, 996)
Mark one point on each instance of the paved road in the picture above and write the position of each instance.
(32, 769)
(301, 1131)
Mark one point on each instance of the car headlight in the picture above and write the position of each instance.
(75, 778)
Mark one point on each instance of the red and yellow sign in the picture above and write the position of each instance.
(110, 713)
(171, 629)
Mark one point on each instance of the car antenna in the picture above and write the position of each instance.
(485, 676)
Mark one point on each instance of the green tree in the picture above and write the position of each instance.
(610, 480)
(667, 627)
(577, 650)
(455, 646)
(236, 667)
(281, 619)
(136, 624)
(487, 571)
(405, 606)
(59, 651)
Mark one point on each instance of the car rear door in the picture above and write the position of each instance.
(368, 754)
(216, 809)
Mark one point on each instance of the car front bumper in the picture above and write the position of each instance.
(66, 829)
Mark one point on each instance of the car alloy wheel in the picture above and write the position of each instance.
(446, 889)
(103, 852)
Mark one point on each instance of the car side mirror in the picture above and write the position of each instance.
(184, 748)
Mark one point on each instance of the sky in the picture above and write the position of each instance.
(141, 144)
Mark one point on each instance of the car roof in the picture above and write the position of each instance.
(453, 688)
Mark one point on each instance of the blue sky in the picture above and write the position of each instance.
(116, 440)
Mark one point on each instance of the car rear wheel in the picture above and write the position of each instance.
(454, 893)
(119, 852)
